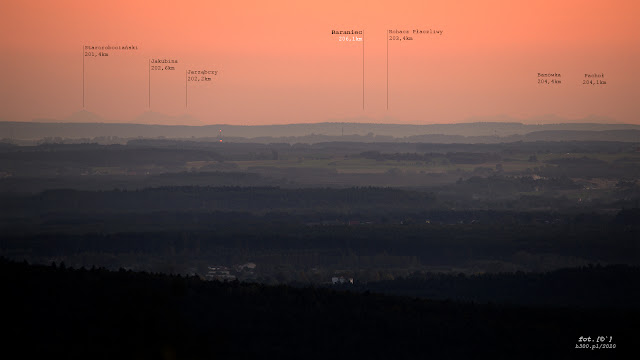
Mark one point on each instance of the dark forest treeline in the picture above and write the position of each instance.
(206, 198)
(593, 286)
(475, 194)
(46, 160)
(57, 311)
(452, 157)
(534, 241)
(431, 243)
(289, 232)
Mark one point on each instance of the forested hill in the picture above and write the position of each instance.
(593, 286)
(53, 310)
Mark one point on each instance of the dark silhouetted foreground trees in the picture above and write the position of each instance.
(56, 311)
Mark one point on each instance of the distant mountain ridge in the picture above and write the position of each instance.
(148, 117)
(81, 116)
(86, 125)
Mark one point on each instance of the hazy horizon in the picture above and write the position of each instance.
(185, 119)
(279, 63)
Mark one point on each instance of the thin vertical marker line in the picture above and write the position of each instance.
(149, 84)
(387, 36)
(362, 69)
(185, 89)
(82, 77)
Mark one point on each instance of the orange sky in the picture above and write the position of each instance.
(279, 63)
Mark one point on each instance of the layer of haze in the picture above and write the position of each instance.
(279, 63)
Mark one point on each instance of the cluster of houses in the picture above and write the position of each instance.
(341, 280)
(221, 273)
(224, 273)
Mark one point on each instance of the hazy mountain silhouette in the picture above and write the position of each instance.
(154, 118)
(546, 119)
(147, 118)
(82, 116)
(322, 132)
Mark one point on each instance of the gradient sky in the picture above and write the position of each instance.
(279, 63)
